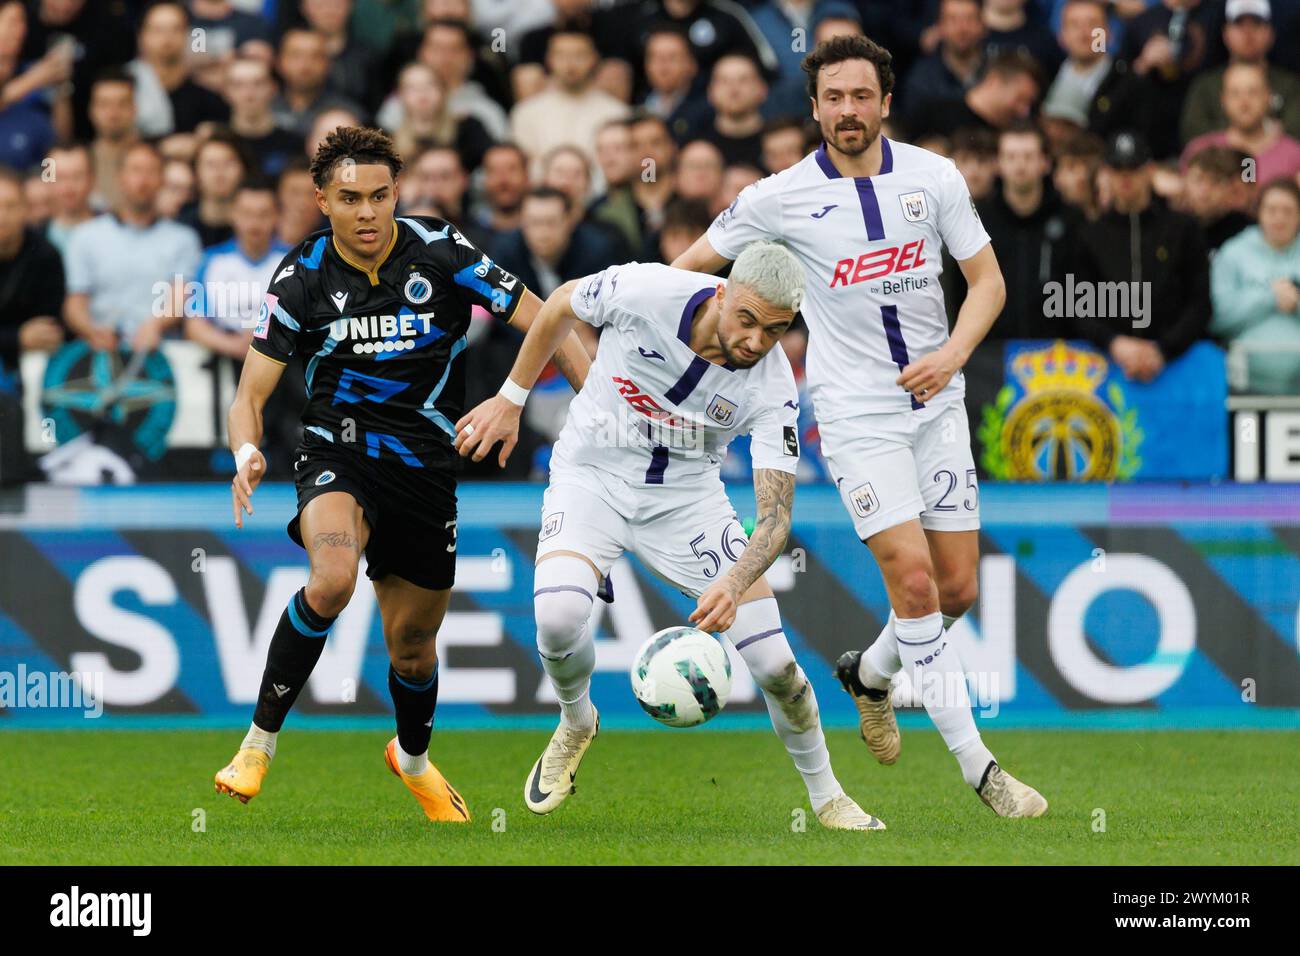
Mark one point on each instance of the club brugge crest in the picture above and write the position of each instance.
(552, 524)
(722, 411)
(914, 208)
(864, 501)
(418, 289)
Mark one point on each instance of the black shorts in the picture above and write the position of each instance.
(411, 511)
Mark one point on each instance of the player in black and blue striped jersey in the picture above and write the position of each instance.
(377, 309)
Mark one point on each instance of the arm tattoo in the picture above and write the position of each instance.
(334, 539)
(774, 494)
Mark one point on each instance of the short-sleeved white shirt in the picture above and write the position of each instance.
(871, 249)
(652, 411)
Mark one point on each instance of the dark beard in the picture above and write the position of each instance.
(869, 136)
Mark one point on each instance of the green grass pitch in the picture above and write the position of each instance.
(653, 796)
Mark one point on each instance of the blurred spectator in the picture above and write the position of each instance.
(112, 113)
(40, 204)
(565, 168)
(167, 100)
(671, 74)
(549, 250)
(26, 132)
(736, 92)
(326, 122)
(1092, 88)
(482, 66)
(685, 220)
(250, 91)
(1031, 233)
(351, 63)
(229, 33)
(699, 174)
(716, 28)
(604, 24)
(118, 262)
(426, 120)
(219, 167)
(304, 66)
(70, 187)
(1075, 174)
(951, 69)
(1248, 36)
(1167, 44)
(1009, 28)
(177, 188)
(652, 189)
(233, 275)
(98, 36)
(448, 48)
(833, 19)
(1213, 192)
(570, 110)
(31, 282)
(300, 216)
(616, 206)
(778, 22)
(1004, 94)
(1250, 129)
(735, 178)
(505, 183)
(785, 142)
(1256, 284)
(436, 176)
(1157, 255)
(975, 151)
(34, 105)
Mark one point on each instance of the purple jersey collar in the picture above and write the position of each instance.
(886, 161)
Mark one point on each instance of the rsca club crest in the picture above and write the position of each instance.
(722, 411)
(914, 207)
(1048, 422)
(419, 290)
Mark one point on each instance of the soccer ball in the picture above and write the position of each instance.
(681, 676)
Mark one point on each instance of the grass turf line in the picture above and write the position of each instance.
(655, 796)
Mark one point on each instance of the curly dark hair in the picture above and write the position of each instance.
(841, 48)
(360, 144)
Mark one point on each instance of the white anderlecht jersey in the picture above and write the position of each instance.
(652, 411)
(871, 249)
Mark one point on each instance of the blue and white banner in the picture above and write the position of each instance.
(1143, 605)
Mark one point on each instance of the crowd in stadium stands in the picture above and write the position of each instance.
(1131, 141)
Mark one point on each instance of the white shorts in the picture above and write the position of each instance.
(688, 537)
(891, 467)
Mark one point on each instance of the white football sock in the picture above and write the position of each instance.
(259, 739)
(791, 703)
(563, 592)
(932, 662)
(410, 765)
(880, 662)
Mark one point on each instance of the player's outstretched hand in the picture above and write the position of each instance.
(927, 376)
(245, 483)
(716, 609)
(495, 420)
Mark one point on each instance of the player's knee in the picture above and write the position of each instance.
(330, 588)
(957, 595)
(560, 618)
(915, 589)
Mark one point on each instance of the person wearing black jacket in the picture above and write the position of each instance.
(1031, 230)
(1158, 253)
